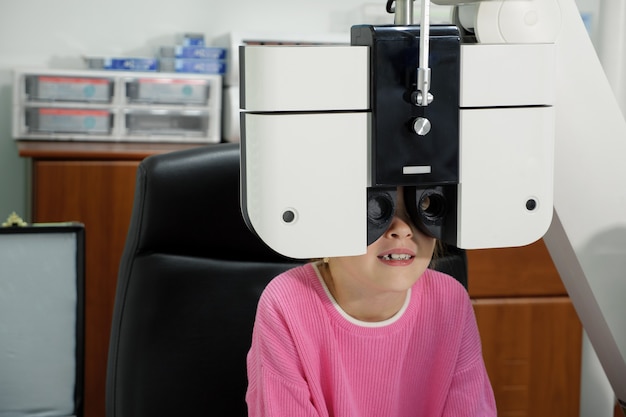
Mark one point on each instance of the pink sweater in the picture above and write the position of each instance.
(308, 359)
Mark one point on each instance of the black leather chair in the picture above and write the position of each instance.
(189, 281)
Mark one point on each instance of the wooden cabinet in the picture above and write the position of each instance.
(531, 335)
(530, 332)
(93, 183)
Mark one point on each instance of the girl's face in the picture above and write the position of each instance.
(393, 263)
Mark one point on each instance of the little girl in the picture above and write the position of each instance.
(375, 335)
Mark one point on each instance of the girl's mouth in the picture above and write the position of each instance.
(396, 257)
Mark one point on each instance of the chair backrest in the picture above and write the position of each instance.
(189, 282)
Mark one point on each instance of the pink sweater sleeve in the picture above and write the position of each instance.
(470, 393)
(276, 385)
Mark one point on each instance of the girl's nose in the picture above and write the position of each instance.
(399, 228)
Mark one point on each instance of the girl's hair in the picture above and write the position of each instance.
(438, 252)
(439, 249)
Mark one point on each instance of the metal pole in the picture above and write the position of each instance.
(404, 13)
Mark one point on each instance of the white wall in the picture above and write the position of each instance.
(55, 34)
(611, 46)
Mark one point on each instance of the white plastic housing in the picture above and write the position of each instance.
(506, 144)
(507, 75)
(305, 138)
(506, 161)
(311, 78)
(314, 165)
(511, 22)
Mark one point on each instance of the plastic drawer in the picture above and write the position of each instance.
(68, 120)
(168, 91)
(70, 88)
(167, 122)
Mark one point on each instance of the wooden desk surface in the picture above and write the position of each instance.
(97, 150)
